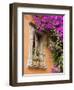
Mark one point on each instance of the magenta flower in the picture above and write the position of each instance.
(55, 69)
(49, 26)
(44, 19)
(49, 22)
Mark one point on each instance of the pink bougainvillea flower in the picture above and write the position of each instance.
(49, 22)
(55, 69)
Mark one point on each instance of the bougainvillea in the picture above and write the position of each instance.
(53, 24)
(46, 22)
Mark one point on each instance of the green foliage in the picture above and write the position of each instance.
(56, 48)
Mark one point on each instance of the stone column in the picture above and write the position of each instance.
(31, 46)
(36, 45)
(42, 53)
